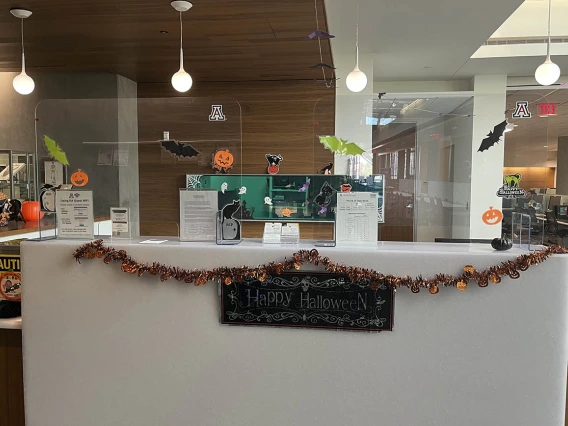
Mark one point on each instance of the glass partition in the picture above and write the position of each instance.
(133, 153)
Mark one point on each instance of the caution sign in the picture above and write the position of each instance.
(10, 277)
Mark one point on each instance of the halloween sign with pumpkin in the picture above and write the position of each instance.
(492, 216)
(79, 178)
(223, 161)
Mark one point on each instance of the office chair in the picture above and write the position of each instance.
(552, 227)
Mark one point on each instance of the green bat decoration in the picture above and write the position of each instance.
(55, 150)
(341, 146)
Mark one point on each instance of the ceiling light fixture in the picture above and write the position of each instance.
(547, 73)
(23, 83)
(356, 80)
(181, 80)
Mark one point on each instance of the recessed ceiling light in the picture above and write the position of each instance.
(163, 32)
(546, 146)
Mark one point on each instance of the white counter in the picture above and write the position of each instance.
(105, 348)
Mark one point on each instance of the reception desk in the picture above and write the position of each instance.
(102, 347)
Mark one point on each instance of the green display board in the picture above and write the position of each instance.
(297, 198)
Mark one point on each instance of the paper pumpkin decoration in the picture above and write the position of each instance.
(223, 160)
(273, 163)
(501, 244)
(31, 211)
(286, 212)
(492, 216)
(79, 178)
(346, 187)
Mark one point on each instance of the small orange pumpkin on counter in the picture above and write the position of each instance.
(31, 211)
(79, 178)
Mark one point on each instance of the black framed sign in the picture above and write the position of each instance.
(308, 300)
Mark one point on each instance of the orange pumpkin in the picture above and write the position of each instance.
(286, 212)
(492, 217)
(223, 160)
(79, 178)
(31, 211)
(273, 169)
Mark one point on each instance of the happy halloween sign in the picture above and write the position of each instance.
(317, 300)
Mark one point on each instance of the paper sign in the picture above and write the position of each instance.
(290, 233)
(119, 219)
(357, 217)
(75, 217)
(53, 173)
(198, 215)
(272, 233)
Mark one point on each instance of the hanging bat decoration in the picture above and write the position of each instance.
(322, 65)
(55, 150)
(326, 170)
(319, 33)
(493, 137)
(273, 163)
(180, 150)
(340, 146)
(305, 186)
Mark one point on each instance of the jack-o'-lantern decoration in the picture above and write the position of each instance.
(79, 178)
(346, 187)
(492, 216)
(273, 163)
(223, 160)
(286, 212)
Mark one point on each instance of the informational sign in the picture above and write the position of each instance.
(522, 110)
(120, 222)
(278, 233)
(308, 300)
(357, 218)
(198, 215)
(510, 188)
(53, 173)
(10, 277)
(75, 218)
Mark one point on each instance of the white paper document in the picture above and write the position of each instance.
(357, 218)
(272, 233)
(198, 215)
(119, 220)
(75, 218)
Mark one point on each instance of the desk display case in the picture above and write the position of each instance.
(17, 176)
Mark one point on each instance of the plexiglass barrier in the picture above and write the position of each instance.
(132, 154)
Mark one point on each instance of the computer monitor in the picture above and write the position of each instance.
(554, 202)
(562, 211)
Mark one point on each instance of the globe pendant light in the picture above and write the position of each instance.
(23, 83)
(548, 73)
(181, 80)
(356, 80)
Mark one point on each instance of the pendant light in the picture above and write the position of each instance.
(23, 83)
(356, 80)
(181, 80)
(548, 73)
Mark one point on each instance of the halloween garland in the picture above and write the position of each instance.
(227, 275)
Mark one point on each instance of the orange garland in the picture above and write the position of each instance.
(227, 275)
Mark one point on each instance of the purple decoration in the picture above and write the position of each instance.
(319, 33)
(323, 210)
(305, 186)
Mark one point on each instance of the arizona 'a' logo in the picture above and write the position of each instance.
(217, 113)
(522, 110)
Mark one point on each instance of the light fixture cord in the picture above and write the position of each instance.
(357, 40)
(548, 45)
(319, 40)
(180, 42)
(23, 56)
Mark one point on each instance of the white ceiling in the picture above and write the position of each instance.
(416, 39)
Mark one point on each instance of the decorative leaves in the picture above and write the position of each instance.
(55, 150)
(341, 146)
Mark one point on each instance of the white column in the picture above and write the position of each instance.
(487, 166)
(351, 108)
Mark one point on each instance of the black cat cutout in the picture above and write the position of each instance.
(324, 197)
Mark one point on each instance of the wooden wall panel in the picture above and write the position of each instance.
(533, 177)
(278, 117)
(11, 378)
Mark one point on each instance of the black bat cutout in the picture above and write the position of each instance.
(180, 150)
(326, 169)
(273, 160)
(493, 137)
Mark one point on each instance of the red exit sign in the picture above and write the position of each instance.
(545, 110)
